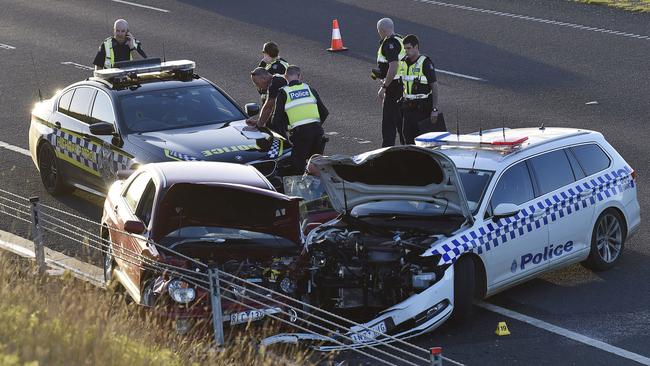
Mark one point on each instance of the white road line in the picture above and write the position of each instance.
(538, 20)
(459, 75)
(566, 333)
(7, 47)
(14, 148)
(141, 6)
(78, 66)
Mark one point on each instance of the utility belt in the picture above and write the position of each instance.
(421, 103)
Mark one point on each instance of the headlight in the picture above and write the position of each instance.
(180, 291)
(288, 285)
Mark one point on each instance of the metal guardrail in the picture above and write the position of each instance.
(321, 325)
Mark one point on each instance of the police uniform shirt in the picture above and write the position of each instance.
(120, 51)
(429, 71)
(277, 82)
(276, 67)
(391, 49)
(280, 121)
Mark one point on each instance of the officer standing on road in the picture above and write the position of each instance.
(300, 110)
(420, 101)
(122, 46)
(272, 62)
(266, 84)
(389, 55)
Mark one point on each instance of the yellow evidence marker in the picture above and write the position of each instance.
(502, 329)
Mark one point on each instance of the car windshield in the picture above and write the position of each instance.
(223, 235)
(177, 108)
(475, 183)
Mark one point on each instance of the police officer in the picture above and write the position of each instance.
(266, 84)
(420, 100)
(389, 54)
(122, 46)
(301, 111)
(272, 62)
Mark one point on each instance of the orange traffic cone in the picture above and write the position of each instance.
(337, 42)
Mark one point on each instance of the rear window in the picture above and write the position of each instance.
(64, 101)
(591, 158)
(552, 171)
(81, 103)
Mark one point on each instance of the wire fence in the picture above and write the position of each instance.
(298, 315)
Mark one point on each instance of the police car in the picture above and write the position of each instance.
(141, 112)
(464, 217)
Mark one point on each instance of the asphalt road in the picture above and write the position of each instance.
(539, 61)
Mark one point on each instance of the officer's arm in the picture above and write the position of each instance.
(392, 71)
(279, 121)
(266, 112)
(322, 109)
(434, 94)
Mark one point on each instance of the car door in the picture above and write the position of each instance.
(136, 204)
(517, 240)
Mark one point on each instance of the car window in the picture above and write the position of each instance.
(514, 186)
(102, 109)
(135, 190)
(177, 108)
(577, 169)
(81, 103)
(552, 171)
(64, 101)
(474, 184)
(145, 204)
(591, 157)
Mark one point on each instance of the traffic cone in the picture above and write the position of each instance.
(502, 329)
(337, 42)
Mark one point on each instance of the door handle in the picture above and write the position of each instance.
(539, 213)
(586, 193)
(57, 124)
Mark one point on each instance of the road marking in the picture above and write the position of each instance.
(566, 333)
(141, 6)
(7, 47)
(14, 148)
(459, 75)
(538, 20)
(78, 66)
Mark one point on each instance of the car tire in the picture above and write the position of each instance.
(607, 241)
(49, 167)
(464, 289)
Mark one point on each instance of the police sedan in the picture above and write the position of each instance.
(141, 112)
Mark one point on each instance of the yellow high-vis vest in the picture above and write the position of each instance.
(301, 106)
(109, 60)
(411, 75)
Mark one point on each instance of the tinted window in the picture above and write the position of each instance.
(552, 171)
(515, 186)
(146, 203)
(177, 108)
(64, 101)
(474, 184)
(102, 109)
(591, 157)
(577, 170)
(135, 190)
(81, 103)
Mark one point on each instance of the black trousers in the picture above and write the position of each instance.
(307, 140)
(391, 120)
(418, 121)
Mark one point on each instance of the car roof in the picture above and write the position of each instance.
(539, 140)
(144, 87)
(171, 172)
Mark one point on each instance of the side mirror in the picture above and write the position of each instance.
(252, 109)
(102, 129)
(505, 210)
(134, 227)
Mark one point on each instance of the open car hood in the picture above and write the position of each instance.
(230, 206)
(393, 173)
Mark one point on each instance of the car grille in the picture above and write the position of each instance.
(266, 167)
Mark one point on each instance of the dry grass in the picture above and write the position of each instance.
(630, 5)
(64, 321)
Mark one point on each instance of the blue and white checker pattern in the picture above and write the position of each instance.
(276, 148)
(562, 204)
(79, 143)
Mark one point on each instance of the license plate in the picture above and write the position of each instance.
(250, 315)
(370, 334)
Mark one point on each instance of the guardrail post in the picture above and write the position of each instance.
(436, 356)
(37, 230)
(217, 316)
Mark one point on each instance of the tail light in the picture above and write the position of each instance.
(633, 175)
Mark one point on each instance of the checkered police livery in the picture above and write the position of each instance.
(276, 148)
(76, 150)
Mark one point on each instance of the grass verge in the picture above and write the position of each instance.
(64, 321)
(629, 5)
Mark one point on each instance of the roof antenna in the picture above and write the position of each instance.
(480, 132)
(40, 95)
(542, 128)
(345, 197)
(474, 162)
(164, 57)
(504, 129)
(457, 124)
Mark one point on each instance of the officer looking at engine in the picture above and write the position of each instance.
(122, 46)
(420, 100)
(301, 112)
(272, 62)
(266, 84)
(389, 55)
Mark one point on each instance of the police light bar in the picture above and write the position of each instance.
(475, 141)
(134, 68)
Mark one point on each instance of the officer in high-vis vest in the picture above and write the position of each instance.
(272, 62)
(389, 54)
(122, 46)
(300, 113)
(420, 100)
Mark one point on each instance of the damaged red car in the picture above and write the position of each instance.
(224, 215)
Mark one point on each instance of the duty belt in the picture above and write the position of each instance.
(416, 96)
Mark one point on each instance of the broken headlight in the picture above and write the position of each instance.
(180, 291)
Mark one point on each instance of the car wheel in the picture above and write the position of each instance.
(607, 241)
(464, 288)
(51, 176)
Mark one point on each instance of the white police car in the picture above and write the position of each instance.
(423, 230)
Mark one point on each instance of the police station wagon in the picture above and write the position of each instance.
(464, 217)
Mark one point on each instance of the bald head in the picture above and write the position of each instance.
(261, 78)
(385, 27)
(120, 29)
